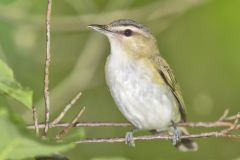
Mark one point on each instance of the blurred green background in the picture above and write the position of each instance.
(199, 38)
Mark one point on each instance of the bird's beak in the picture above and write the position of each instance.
(99, 28)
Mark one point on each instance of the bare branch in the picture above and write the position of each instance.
(214, 134)
(85, 124)
(230, 118)
(46, 71)
(158, 137)
(35, 120)
(234, 124)
(72, 124)
(126, 124)
(226, 125)
(66, 108)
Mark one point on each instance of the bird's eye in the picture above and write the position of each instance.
(128, 32)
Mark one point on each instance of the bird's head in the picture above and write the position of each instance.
(127, 35)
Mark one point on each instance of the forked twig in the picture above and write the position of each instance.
(157, 137)
(66, 108)
(215, 134)
(225, 124)
(72, 124)
(234, 124)
(214, 124)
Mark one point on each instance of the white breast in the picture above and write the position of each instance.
(145, 103)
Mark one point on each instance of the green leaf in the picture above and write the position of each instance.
(11, 88)
(18, 143)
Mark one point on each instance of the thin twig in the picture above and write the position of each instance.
(72, 124)
(66, 108)
(126, 124)
(46, 71)
(226, 125)
(230, 118)
(222, 133)
(234, 125)
(35, 120)
(157, 137)
(224, 115)
(84, 124)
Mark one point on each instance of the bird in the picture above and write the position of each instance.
(142, 83)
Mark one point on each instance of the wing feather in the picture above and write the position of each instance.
(169, 78)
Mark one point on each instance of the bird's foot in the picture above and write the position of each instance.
(129, 139)
(176, 137)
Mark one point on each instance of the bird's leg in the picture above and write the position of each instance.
(129, 137)
(176, 137)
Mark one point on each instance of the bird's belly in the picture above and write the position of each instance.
(144, 102)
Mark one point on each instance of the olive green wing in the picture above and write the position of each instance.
(169, 78)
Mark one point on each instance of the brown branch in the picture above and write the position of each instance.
(231, 126)
(46, 71)
(226, 125)
(72, 124)
(35, 120)
(126, 124)
(157, 137)
(66, 108)
(85, 124)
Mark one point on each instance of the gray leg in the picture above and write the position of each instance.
(176, 137)
(129, 138)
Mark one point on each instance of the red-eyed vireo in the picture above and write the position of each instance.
(142, 83)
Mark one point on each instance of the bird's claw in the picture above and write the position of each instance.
(129, 139)
(176, 137)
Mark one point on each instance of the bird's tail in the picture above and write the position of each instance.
(186, 145)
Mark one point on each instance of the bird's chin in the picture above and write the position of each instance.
(111, 35)
(115, 40)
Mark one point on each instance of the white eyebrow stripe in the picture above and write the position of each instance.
(133, 28)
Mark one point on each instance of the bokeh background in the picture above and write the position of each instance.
(199, 38)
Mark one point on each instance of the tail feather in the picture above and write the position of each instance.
(186, 145)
